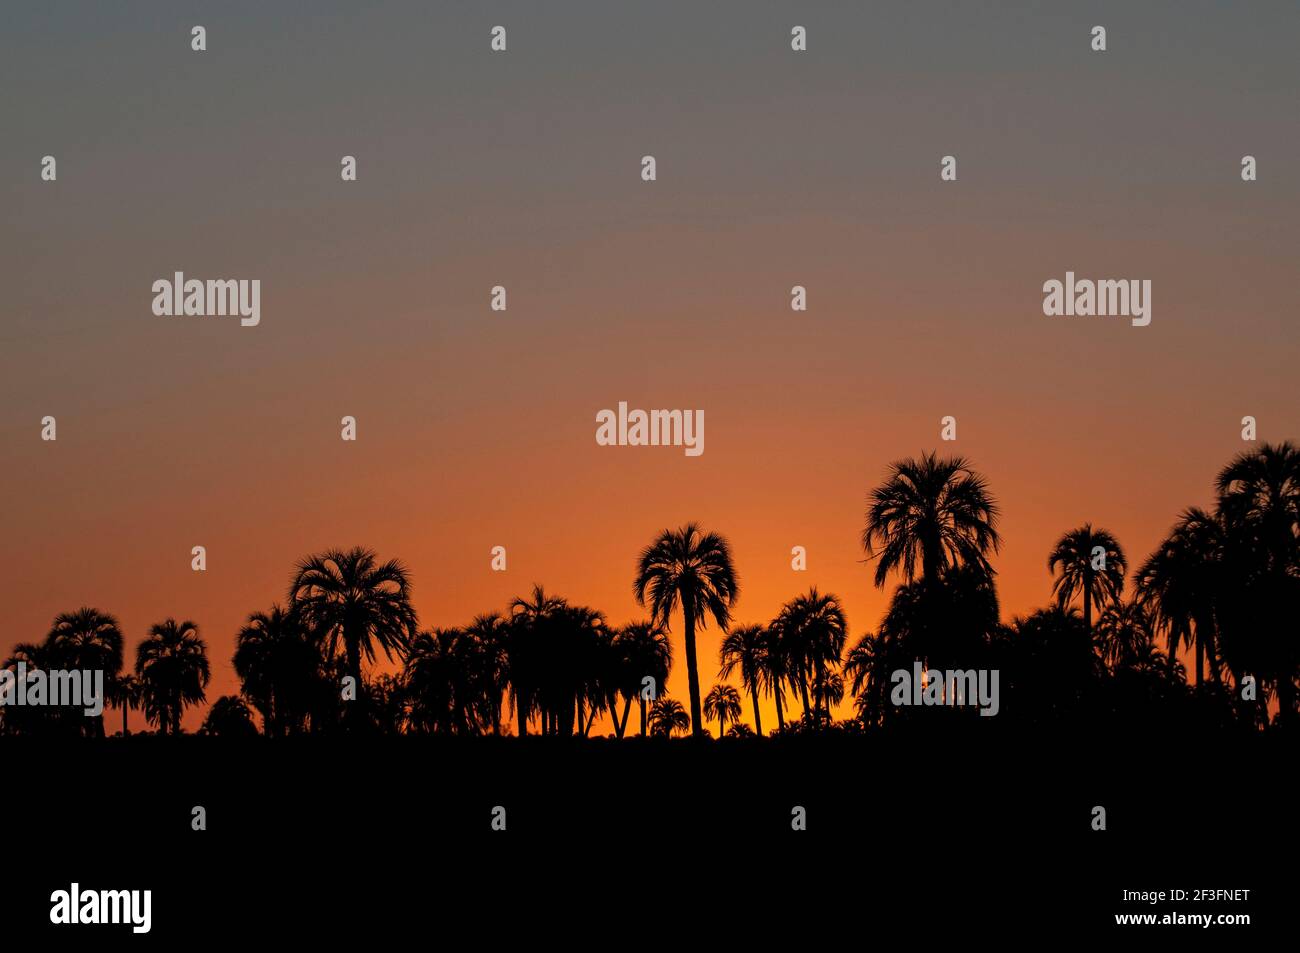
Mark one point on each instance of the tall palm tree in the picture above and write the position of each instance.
(1182, 582)
(1125, 634)
(1260, 491)
(126, 694)
(668, 716)
(1075, 556)
(722, 705)
(776, 670)
(277, 664)
(489, 635)
(692, 570)
(813, 630)
(529, 656)
(1259, 505)
(581, 688)
(39, 719)
(351, 599)
(649, 654)
(933, 514)
(868, 666)
(88, 640)
(745, 648)
(438, 677)
(172, 664)
(827, 690)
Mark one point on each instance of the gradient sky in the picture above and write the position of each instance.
(477, 428)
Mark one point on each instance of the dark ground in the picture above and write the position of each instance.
(638, 843)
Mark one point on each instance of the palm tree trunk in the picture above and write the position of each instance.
(642, 716)
(1087, 606)
(692, 672)
(125, 706)
(780, 714)
(758, 722)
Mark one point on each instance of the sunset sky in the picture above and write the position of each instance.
(476, 428)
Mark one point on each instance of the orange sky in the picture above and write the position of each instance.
(477, 428)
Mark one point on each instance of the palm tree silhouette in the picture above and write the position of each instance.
(1259, 505)
(277, 664)
(528, 654)
(437, 676)
(667, 716)
(349, 598)
(827, 690)
(172, 664)
(745, 647)
(489, 634)
(693, 570)
(776, 670)
(813, 630)
(229, 717)
(931, 512)
(1181, 583)
(722, 705)
(868, 667)
(1125, 634)
(89, 640)
(649, 654)
(127, 693)
(1077, 557)
(40, 720)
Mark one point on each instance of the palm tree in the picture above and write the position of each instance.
(88, 640)
(350, 598)
(776, 670)
(126, 693)
(1181, 584)
(229, 717)
(528, 654)
(868, 667)
(277, 664)
(693, 570)
(1125, 634)
(1260, 491)
(41, 719)
(931, 512)
(745, 647)
(581, 684)
(722, 705)
(1076, 555)
(667, 716)
(649, 654)
(172, 664)
(813, 630)
(489, 635)
(437, 675)
(1259, 505)
(827, 690)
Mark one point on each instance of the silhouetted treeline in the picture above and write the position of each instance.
(1224, 583)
